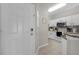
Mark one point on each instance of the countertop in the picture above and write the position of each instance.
(53, 35)
(76, 35)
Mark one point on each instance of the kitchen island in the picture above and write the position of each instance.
(72, 43)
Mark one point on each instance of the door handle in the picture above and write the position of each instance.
(31, 31)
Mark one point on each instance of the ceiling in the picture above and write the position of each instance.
(46, 5)
(69, 9)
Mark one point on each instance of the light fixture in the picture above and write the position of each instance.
(60, 5)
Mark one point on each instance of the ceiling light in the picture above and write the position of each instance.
(56, 7)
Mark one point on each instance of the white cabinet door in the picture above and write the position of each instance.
(64, 46)
(18, 28)
(72, 46)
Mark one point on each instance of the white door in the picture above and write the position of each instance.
(18, 28)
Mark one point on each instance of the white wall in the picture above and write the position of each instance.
(43, 26)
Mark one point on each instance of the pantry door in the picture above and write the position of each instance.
(18, 28)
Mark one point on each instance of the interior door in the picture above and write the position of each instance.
(18, 28)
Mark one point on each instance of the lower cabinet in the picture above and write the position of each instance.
(72, 45)
(64, 46)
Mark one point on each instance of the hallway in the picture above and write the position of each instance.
(25, 29)
(53, 48)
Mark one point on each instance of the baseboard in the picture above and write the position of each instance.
(40, 47)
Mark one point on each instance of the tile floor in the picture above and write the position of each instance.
(53, 48)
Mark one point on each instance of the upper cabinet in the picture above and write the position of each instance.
(70, 20)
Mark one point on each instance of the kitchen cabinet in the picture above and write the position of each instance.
(72, 45)
(64, 46)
